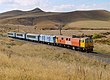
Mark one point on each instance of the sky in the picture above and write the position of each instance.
(54, 5)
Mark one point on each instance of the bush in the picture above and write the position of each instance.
(95, 36)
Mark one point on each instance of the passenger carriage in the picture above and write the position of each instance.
(21, 35)
(33, 37)
(49, 39)
(12, 34)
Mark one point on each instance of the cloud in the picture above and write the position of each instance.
(61, 8)
(2, 1)
(71, 7)
(94, 6)
(48, 5)
(22, 4)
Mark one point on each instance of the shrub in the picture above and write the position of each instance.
(95, 36)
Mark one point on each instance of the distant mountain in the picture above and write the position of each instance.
(11, 14)
(36, 10)
(15, 13)
(41, 19)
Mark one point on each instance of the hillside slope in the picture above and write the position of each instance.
(42, 19)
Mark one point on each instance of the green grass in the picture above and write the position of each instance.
(95, 36)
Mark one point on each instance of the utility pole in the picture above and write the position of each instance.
(18, 28)
(60, 28)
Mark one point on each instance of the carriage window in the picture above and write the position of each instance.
(62, 38)
(87, 40)
(48, 38)
(10, 33)
(91, 40)
(69, 39)
(30, 36)
(43, 37)
(19, 34)
(66, 38)
(82, 40)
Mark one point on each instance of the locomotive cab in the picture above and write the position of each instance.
(86, 44)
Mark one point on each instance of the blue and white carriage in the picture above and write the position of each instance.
(12, 34)
(21, 35)
(33, 37)
(47, 38)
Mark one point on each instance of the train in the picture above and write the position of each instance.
(78, 43)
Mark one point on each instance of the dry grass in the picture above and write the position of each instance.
(102, 48)
(6, 28)
(29, 61)
(95, 25)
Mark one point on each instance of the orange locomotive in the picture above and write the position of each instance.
(77, 43)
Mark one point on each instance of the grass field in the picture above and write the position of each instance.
(95, 25)
(104, 41)
(26, 61)
(20, 60)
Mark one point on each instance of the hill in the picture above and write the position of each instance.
(46, 20)
(15, 13)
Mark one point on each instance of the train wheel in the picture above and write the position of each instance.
(88, 51)
(91, 50)
(81, 49)
(76, 49)
(73, 48)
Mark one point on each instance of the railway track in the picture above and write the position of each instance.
(93, 55)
